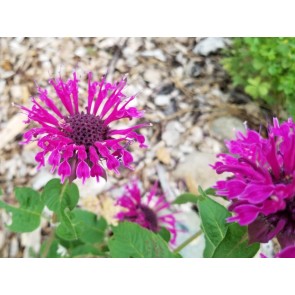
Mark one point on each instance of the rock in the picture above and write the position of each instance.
(163, 155)
(29, 157)
(267, 249)
(2, 238)
(196, 136)
(226, 127)
(2, 86)
(210, 145)
(157, 53)
(209, 45)
(44, 57)
(172, 133)
(80, 51)
(31, 241)
(14, 127)
(91, 187)
(196, 167)
(16, 92)
(193, 69)
(14, 248)
(42, 177)
(162, 100)
(152, 76)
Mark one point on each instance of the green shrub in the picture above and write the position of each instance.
(265, 67)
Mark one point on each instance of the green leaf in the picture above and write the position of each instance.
(59, 196)
(27, 216)
(86, 251)
(186, 198)
(51, 249)
(1, 193)
(132, 240)
(213, 217)
(165, 234)
(252, 90)
(235, 244)
(67, 228)
(62, 199)
(263, 89)
(191, 198)
(89, 228)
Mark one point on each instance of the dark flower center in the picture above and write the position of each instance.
(280, 224)
(150, 217)
(85, 129)
(283, 178)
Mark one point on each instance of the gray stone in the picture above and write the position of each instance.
(196, 166)
(226, 127)
(196, 135)
(152, 76)
(162, 100)
(157, 53)
(209, 45)
(172, 132)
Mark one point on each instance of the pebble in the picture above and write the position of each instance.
(162, 100)
(209, 45)
(31, 241)
(42, 177)
(152, 76)
(157, 53)
(14, 248)
(2, 86)
(80, 51)
(171, 134)
(196, 165)
(196, 136)
(225, 128)
(163, 155)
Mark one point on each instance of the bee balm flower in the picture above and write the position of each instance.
(262, 186)
(76, 141)
(149, 211)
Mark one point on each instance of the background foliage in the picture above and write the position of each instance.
(265, 68)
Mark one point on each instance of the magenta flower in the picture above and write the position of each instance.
(262, 185)
(288, 252)
(148, 212)
(76, 141)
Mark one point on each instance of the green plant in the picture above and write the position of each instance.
(265, 67)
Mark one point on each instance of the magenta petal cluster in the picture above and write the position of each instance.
(261, 187)
(75, 141)
(149, 212)
(288, 252)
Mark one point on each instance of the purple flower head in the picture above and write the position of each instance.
(288, 252)
(75, 141)
(149, 211)
(262, 186)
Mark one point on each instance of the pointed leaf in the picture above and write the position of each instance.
(67, 228)
(235, 244)
(186, 198)
(213, 217)
(132, 240)
(90, 229)
(59, 196)
(27, 216)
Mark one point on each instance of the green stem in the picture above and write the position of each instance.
(48, 243)
(53, 220)
(188, 241)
